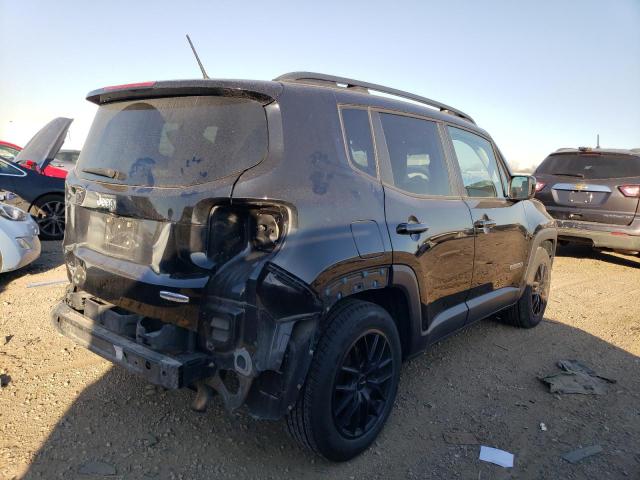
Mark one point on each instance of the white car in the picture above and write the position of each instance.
(19, 242)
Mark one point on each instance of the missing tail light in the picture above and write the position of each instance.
(234, 229)
(266, 230)
(630, 190)
(74, 194)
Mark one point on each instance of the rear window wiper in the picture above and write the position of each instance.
(579, 175)
(106, 172)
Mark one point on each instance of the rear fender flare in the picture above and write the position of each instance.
(401, 277)
(404, 278)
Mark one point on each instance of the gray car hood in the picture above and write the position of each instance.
(44, 145)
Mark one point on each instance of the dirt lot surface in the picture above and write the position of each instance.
(66, 413)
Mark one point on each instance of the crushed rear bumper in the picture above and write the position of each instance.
(168, 371)
(601, 235)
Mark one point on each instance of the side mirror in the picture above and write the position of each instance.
(522, 187)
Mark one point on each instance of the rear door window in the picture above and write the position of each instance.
(478, 165)
(591, 165)
(415, 154)
(359, 141)
(6, 169)
(177, 141)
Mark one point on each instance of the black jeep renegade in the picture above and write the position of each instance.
(287, 244)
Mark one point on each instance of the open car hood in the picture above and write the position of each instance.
(44, 145)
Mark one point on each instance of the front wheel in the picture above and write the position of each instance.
(352, 383)
(529, 310)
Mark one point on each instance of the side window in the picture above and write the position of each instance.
(357, 132)
(478, 164)
(7, 169)
(416, 156)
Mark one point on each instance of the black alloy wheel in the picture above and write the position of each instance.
(362, 385)
(529, 309)
(352, 382)
(540, 290)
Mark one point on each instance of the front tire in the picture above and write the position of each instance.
(529, 310)
(352, 383)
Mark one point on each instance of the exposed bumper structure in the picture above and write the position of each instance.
(617, 237)
(158, 368)
(267, 350)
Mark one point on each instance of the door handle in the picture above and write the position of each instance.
(485, 224)
(411, 228)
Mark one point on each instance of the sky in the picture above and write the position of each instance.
(537, 75)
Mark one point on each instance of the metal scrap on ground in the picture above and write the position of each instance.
(47, 283)
(576, 378)
(582, 453)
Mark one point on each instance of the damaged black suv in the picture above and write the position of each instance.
(287, 244)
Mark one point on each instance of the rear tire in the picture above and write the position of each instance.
(351, 385)
(529, 310)
(48, 212)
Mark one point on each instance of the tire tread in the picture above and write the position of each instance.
(298, 420)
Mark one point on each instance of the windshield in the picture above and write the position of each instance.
(7, 152)
(591, 166)
(174, 141)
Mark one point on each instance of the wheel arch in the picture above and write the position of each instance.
(41, 196)
(399, 296)
(546, 238)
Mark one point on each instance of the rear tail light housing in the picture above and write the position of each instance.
(540, 185)
(630, 190)
(245, 228)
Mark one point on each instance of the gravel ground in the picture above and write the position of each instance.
(66, 413)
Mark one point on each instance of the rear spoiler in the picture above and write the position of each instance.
(263, 92)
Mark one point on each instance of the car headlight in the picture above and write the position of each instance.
(12, 213)
(6, 195)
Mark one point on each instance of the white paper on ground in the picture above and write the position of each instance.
(494, 455)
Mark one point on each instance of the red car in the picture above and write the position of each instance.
(8, 151)
(59, 169)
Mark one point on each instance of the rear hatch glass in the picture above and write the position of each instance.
(177, 141)
(591, 166)
(584, 187)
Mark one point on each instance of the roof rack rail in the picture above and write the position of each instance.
(350, 83)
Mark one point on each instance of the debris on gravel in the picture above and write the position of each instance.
(47, 283)
(582, 453)
(576, 378)
(496, 456)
